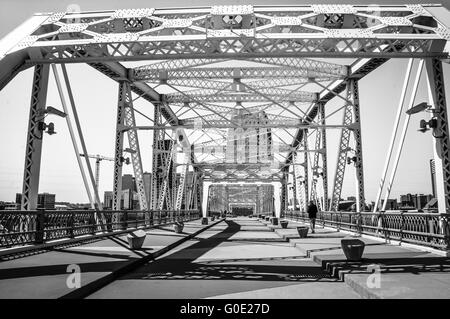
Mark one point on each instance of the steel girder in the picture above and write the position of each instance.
(212, 96)
(315, 166)
(224, 31)
(351, 115)
(35, 136)
(342, 152)
(247, 73)
(125, 118)
(321, 147)
(441, 133)
(324, 157)
(359, 173)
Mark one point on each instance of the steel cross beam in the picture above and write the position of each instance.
(214, 73)
(253, 31)
(211, 96)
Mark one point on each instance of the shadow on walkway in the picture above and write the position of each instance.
(181, 266)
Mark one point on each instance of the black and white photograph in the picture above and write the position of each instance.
(224, 155)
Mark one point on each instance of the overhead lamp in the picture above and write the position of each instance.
(129, 150)
(52, 110)
(418, 108)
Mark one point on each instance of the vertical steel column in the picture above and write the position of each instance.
(306, 167)
(118, 151)
(297, 183)
(342, 152)
(199, 191)
(155, 158)
(294, 188)
(324, 157)
(227, 198)
(441, 147)
(133, 142)
(284, 193)
(314, 195)
(360, 198)
(33, 150)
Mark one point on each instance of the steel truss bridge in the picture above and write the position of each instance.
(253, 81)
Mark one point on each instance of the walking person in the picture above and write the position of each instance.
(312, 214)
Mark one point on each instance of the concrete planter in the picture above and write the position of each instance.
(136, 239)
(353, 249)
(178, 227)
(204, 221)
(283, 223)
(303, 231)
(274, 220)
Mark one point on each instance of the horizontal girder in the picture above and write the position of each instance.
(263, 95)
(237, 31)
(233, 73)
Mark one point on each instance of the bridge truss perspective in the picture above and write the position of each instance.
(244, 88)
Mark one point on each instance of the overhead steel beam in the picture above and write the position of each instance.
(310, 30)
(214, 73)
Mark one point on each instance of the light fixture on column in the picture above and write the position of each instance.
(425, 125)
(50, 127)
(419, 108)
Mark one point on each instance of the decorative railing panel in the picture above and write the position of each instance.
(426, 229)
(19, 228)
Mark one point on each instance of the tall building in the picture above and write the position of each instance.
(249, 145)
(147, 185)
(107, 200)
(391, 204)
(128, 182)
(45, 201)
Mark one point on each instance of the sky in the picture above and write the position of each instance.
(96, 100)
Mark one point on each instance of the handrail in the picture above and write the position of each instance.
(426, 229)
(19, 228)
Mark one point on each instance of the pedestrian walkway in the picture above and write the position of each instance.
(405, 272)
(236, 258)
(230, 260)
(44, 275)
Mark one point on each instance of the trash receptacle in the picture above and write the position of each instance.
(136, 239)
(303, 231)
(353, 248)
(178, 227)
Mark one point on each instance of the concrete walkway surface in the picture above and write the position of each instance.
(236, 258)
(230, 261)
(44, 275)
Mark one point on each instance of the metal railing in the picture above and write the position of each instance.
(19, 228)
(426, 229)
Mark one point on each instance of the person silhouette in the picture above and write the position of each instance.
(312, 214)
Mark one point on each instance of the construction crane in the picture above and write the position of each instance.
(98, 159)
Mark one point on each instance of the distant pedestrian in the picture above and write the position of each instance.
(312, 214)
